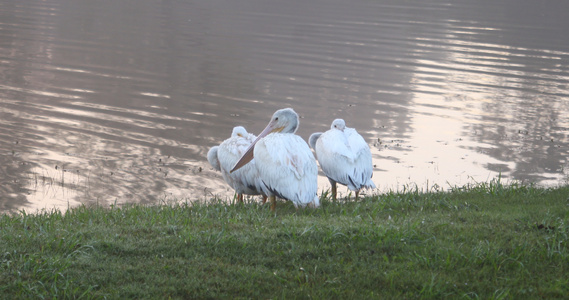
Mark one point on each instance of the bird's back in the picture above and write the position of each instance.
(362, 158)
(244, 180)
(287, 167)
(345, 158)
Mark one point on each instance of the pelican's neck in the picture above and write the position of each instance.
(292, 127)
(313, 138)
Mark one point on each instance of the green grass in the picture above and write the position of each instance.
(488, 241)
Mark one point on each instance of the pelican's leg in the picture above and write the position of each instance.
(334, 189)
(357, 194)
(240, 198)
(264, 199)
(273, 200)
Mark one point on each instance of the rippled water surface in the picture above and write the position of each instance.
(119, 101)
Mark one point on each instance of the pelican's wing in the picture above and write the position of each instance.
(335, 157)
(357, 143)
(363, 163)
(336, 142)
(228, 152)
(345, 158)
(244, 180)
(287, 168)
(290, 152)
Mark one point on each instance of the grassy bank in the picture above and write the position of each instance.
(485, 241)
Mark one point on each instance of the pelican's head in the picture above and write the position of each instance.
(338, 124)
(283, 120)
(239, 131)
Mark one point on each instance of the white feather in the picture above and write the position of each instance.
(287, 168)
(246, 179)
(344, 156)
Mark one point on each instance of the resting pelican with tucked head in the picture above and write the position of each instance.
(344, 157)
(224, 156)
(287, 168)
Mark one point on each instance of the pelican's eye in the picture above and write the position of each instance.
(276, 118)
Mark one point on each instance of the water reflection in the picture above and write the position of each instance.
(119, 101)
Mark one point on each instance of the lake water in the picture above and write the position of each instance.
(118, 101)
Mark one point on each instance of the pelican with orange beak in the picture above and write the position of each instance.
(286, 166)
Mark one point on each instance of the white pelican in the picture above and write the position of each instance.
(287, 168)
(224, 156)
(344, 157)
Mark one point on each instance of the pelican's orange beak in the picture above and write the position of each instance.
(248, 156)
